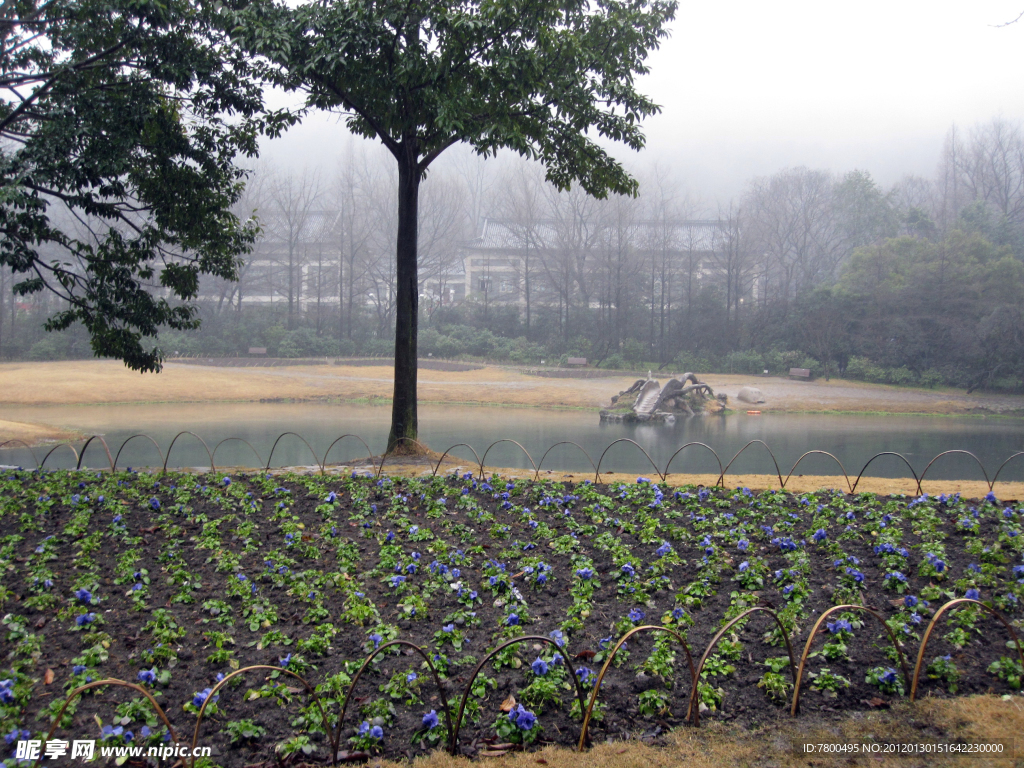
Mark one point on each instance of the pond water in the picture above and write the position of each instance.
(853, 439)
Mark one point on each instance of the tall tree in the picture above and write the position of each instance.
(112, 118)
(543, 78)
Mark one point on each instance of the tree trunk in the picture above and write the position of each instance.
(403, 410)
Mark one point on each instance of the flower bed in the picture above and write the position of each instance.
(174, 583)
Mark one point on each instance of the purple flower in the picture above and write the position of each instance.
(558, 637)
(819, 536)
(199, 698)
(636, 615)
(539, 667)
(744, 566)
(85, 618)
(628, 570)
(972, 594)
(154, 503)
(377, 733)
(664, 549)
(512, 620)
(910, 601)
(840, 625)
(585, 573)
(83, 596)
(430, 720)
(586, 675)
(148, 676)
(524, 719)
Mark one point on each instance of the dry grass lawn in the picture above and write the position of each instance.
(34, 434)
(106, 381)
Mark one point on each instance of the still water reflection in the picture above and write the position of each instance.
(852, 438)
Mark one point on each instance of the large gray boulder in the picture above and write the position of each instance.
(750, 395)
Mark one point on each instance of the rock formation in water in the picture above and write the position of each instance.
(647, 400)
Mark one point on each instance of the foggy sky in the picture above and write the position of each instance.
(750, 87)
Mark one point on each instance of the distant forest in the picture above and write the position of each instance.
(919, 284)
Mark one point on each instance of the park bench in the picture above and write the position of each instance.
(581, 361)
(257, 350)
(800, 373)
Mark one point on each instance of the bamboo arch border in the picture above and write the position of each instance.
(106, 448)
(96, 684)
(934, 621)
(197, 437)
(239, 439)
(814, 633)
(366, 662)
(453, 742)
(604, 670)
(537, 466)
(586, 706)
(693, 711)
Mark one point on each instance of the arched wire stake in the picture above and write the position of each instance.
(445, 455)
(454, 742)
(270, 458)
(826, 453)
(70, 447)
(611, 656)
(118, 454)
(357, 437)
(26, 445)
(693, 710)
(366, 662)
(946, 453)
(505, 440)
(935, 619)
(197, 437)
(239, 439)
(597, 471)
(702, 445)
(312, 692)
(564, 442)
(81, 455)
(887, 453)
(95, 684)
(393, 449)
(814, 632)
(778, 472)
(1011, 458)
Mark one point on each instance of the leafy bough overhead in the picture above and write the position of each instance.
(543, 78)
(119, 124)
